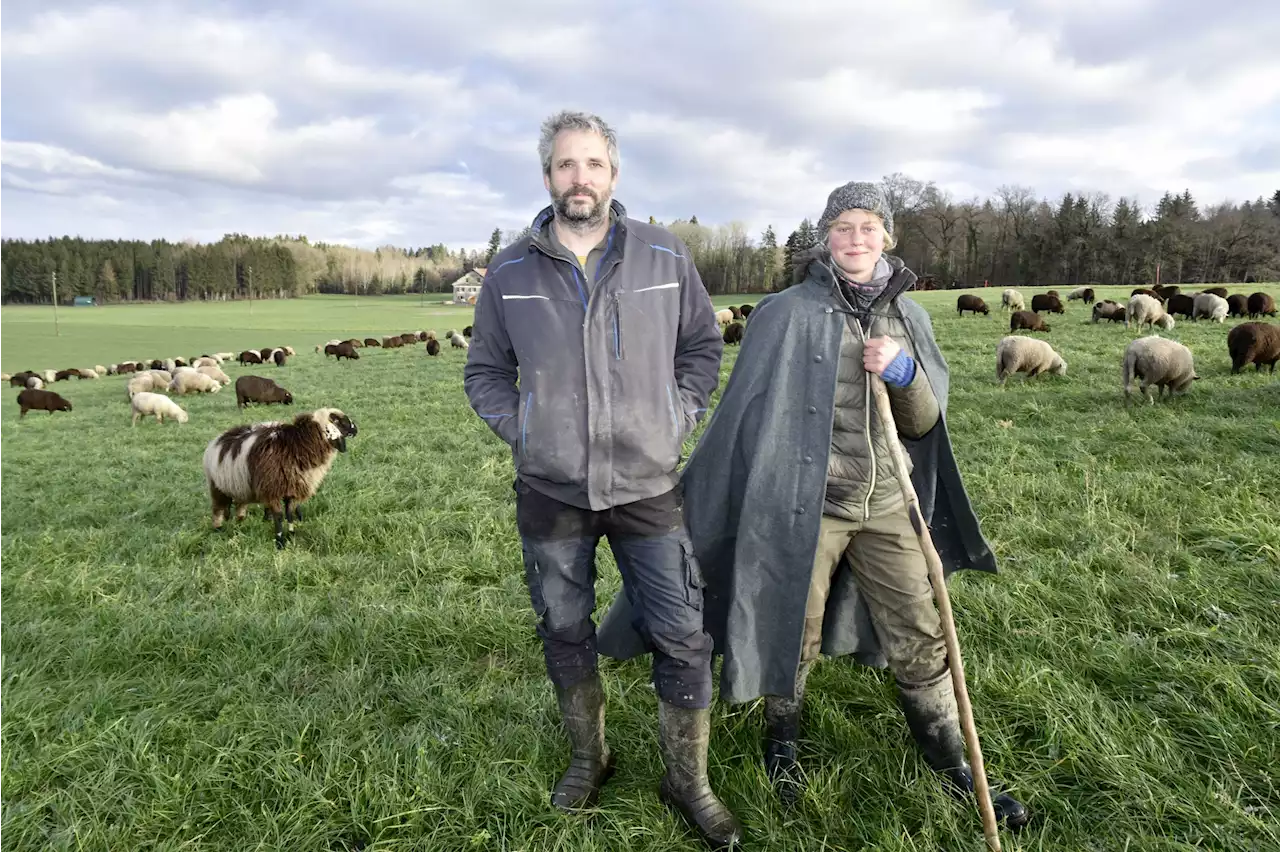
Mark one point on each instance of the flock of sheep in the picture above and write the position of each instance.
(1158, 362)
(278, 465)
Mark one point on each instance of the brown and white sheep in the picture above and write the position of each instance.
(277, 465)
(1084, 294)
(1158, 361)
(1030, 355)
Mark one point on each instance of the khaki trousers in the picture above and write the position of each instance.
(892, 577)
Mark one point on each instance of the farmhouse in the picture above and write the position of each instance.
(466, 288)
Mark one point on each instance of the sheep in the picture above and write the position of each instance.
(431, 334)
(19, 380)
(65, 375)
(85, 373)
(408, 339)
(265, 353)
(341, 350)
(1261, 304)
(224, 356)
(1108, 310)
(372, 341)
(1237, 305)
(205, 361)
(99, 369)
(277, 465)
(1028, 355)
(1048, 302)
(450, 333)
(323, 346)
(34, 383)
(457, 341)
(35, 399)
(1011, 300)
(1147, 310)
(746, 311)
(421, 335)
(145, 404)
(260, 389)
(969, 302)
(433, 347)
(1157, 361)
(215, 373)
(1030, 320)
(1209, 306)
(1217, 291)
(387, 343)
(279, 357)
(4, 377)
(355, 342)
(1167, 291)
(1084, 294)
(127, 367)
(1181, 303)
(1254, 342)
(49, 376)
(1145, 291)
(138, 384)
(724, 317)
(733, 332)
(736, 311)
(160, 379)
(1053, 293)
(185, 383)
(249, 356)
(466, 332)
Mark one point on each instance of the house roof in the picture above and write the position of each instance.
(479, 270)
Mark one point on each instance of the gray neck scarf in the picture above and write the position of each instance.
(862, 294)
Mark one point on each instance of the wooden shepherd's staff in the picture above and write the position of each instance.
(939, 583)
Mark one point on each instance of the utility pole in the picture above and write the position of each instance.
(57, 332)
(250, 289)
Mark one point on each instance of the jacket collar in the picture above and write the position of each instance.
(617, 230)
(901, 280)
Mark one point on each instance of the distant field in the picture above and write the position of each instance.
(378, 684)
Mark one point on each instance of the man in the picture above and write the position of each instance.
(610, 332)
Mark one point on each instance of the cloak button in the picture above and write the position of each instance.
(813, 409)
(808, 459)
(800, 511)
(817, 358)
(830, 310)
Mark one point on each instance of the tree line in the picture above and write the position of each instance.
(1010, 239)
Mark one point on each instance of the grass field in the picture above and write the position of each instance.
(378, 684)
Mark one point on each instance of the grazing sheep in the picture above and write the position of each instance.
(736, 311)
(390, 343)
(342, 350)
(192, 382)
(249, 356)
(65, 375)
(1167, 364)
(1217, 291)
(1261, 304)
(1147, 310)
(372, 341)
(19, 380)
(216, 373)
(35, 399)
(466, 332)
(733, 332)
(145, 404)
(355, 342)
(265, 353)
(279, 357)
(746, 311)
(1181, 303)
(1015, 354)
(49, 376)
(1237, 305)
(433, 347)
(99, 369)
(127, 367)
(1011, 300)
(1030, 320)
(431, 334)
(277, 465)
(34, 382)
(4, 377)
(1084, 294)
(450, 333)
(1254, 342)
(1048, 302)
(422, 335)
(225, 356)
(324, 346)
(457, 341)
(140, 383)
(1146, 291)
(85, 373)
(260, 389)
(1167, 291)
(724, 317)
(205, 361)
(180, 362)
(1108, 310)
(160, 379)
(969, 302)
(1209, 306)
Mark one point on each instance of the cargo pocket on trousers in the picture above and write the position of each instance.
(533, 580)
(693, 580)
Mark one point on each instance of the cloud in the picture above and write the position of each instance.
(408, 122)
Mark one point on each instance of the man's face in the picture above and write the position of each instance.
(581, 181)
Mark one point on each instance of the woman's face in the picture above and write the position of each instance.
(856, 240)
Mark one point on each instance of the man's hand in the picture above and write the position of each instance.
(878, 352)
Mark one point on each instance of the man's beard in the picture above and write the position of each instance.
(579, 219)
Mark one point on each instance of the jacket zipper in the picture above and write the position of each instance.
(671, 404)
(524, 424)
(866, 418)
(617, 328)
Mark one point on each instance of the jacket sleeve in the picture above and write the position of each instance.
(699, 346)
(915, 409)
(491, 373)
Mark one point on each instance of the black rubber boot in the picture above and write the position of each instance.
(934, 720)
(591, 762)
(683, 735)
(780, 744)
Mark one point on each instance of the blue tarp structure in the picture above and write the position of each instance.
(84, 300)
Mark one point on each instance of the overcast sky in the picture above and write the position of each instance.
(414, 122)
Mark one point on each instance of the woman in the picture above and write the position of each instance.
(793, 504)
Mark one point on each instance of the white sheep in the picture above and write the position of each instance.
(1157, 361)
(1012, 300)
(204, 361)
(1145, 310)
(216, 373)
(86, 373)
(99, 369)
(1018, 354)
(35, 382)
(458, 341)
(724, 317)
(4, 377)
(278, 465)
(1210, 306)
(1077, 293)
(194, 382)
(224, 356)
(138, 383)
(145, 404)
(49, 376)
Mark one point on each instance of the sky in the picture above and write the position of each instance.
(412, 123)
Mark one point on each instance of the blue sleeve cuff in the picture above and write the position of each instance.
(901, 370)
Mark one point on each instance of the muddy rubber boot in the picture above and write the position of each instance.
(780, 744)
(590, 762)
(683, 736)
(934, 720)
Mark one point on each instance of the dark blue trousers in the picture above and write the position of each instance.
(660, 576)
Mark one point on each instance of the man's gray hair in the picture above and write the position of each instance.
(570, 120)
